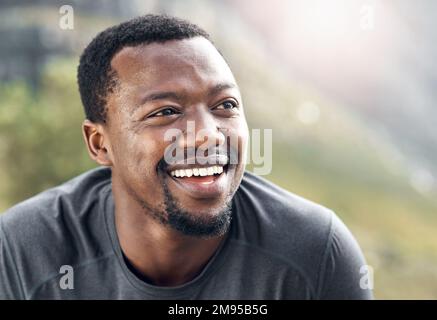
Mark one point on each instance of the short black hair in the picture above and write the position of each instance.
(96, 77)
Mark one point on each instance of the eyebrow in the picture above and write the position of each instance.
(161, 96)
(175, 96)
(221, 87)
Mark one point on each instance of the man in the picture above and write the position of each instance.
(156, 223)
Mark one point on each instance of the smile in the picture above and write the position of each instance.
(201, 182)
(197, 172)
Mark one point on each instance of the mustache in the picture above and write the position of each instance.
(193, 155)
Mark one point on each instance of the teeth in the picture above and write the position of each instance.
(197, 172)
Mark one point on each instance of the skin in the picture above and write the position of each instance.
(132, 143)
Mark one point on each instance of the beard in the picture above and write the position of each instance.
(172, 214)
(196, 224)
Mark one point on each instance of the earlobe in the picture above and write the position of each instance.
(95, 137)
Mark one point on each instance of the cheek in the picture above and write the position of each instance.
(139, 155)
(146, 153)
(243, 135)
(239, 137)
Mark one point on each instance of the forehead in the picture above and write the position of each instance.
(188, 62)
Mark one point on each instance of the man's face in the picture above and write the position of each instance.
(184, 85)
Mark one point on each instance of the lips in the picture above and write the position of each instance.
(203, 187)
(201, 181)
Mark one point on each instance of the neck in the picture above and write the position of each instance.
(163, 256)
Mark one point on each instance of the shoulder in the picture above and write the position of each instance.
(72, 197)
(297, 231)
(54, 228)
(280, 211)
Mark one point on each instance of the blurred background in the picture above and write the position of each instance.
(348, 87)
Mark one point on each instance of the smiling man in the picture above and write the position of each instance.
(171, 212)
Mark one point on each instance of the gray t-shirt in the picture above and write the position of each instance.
(62, 244)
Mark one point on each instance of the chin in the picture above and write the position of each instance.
(205, 210)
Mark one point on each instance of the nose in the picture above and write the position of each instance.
(202, 131)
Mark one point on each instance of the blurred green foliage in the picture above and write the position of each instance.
(40, 135)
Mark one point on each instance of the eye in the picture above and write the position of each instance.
(165, 112)
(227, 105)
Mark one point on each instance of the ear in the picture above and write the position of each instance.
(96, 140)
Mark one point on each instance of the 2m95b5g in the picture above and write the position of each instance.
(239, 309)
